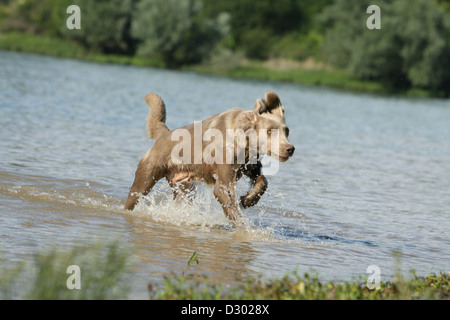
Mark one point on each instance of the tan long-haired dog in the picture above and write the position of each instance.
(218, 151)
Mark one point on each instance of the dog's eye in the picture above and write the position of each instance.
(269, 131)
(286, 132)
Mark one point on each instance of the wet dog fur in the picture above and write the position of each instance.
(157, 163)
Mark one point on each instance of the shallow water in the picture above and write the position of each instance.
(370, 175)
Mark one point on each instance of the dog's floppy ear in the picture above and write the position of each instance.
(260, 107)
(272, 105)
(272, 101)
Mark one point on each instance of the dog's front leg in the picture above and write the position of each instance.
(252, 197)
(225, 193)
(259, 185)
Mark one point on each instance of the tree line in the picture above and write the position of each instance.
(412, 48)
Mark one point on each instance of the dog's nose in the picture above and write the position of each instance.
(290, 150)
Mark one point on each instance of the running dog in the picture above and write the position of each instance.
(265, 132)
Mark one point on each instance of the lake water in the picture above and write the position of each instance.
(370, 175)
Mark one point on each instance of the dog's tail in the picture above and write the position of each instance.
(156, 119)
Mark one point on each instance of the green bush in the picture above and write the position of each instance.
(176, 31)
(412, 48)
(306, 287)
(298, 46)
(105, 25)
(102, 274)
(257, 43)
(45, 16)
(278, 18)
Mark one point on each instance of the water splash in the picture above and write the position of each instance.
(203, 213)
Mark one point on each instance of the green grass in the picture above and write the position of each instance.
(63, 48)
(52, 46)
(306, 287)
(335, 79)
(105, 269)
(45, 277)
(325, 77)
(319, 76)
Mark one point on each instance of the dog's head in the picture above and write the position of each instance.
(268, 120)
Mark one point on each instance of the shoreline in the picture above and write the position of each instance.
(294, 73)
(114, 283)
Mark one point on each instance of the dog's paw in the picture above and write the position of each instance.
(246, 202)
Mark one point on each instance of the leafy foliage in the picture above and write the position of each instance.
(102, 268)
(256, 26)
(306, 287)
(412, 49)
(104, 275)
(105, 25)
(175, 30)
(45, 16)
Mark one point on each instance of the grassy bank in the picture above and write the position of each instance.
(227, 65)
(106, 269)
(258, 70)
(306, 287)
(57, 47)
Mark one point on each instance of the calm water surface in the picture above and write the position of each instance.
(370, 175)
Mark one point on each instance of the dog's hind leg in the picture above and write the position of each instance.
(146, 177)
(181, 184)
